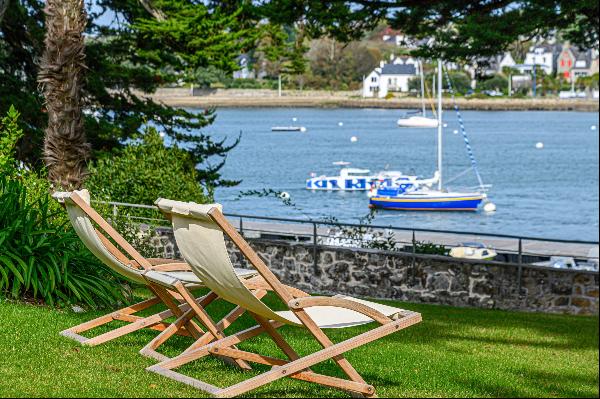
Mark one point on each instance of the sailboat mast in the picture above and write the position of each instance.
(422, 87)
(440, 127)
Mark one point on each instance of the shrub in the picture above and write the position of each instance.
(389, 96)
(41, 257)
(496, 82)
(430, 248)
(10, 133)
(144, 171)
(40, 260)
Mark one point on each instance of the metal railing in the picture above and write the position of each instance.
(313, 232)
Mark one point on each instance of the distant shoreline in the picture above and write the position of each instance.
(253, 98)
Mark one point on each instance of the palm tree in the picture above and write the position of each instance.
(3, 7)
(61, 75)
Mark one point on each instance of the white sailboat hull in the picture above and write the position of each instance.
(418, 122)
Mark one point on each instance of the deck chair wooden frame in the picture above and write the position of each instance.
(299, 304)
(133, 267)
(256, 284)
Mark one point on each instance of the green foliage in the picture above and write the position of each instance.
(144, 171)
(123, 60)
(45, 261)
(588, 82)
(461, 82)
(496, 82)
(41, 257)
(430, 248)
(10, 133)
(460, 30)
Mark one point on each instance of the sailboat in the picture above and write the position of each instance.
(419, 121)
(422, 198)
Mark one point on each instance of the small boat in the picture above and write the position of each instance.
(349, 179)
(355, 179)
(288, 129)
(473, 250)
(402, 198)
(418, 122)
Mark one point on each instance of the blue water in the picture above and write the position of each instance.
(552, 192)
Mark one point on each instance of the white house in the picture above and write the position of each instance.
(506, 61)
(542, 56)
(390, 77)
(243, 64)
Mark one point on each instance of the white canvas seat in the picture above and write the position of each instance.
(335, 317)
(199, 231)
(189, 278)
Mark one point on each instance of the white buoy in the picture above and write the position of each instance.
(354, 139)
(284, 195)
(489, 207)
(294, 119)
(303, 129)
(593, 127)
(340, 123)
(445, 125)
(539, 145)
(455, 131)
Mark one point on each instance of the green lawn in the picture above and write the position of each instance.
(453, 352)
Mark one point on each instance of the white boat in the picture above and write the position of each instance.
(355, 179)
(421, 121)
(473, 250)
(288, 129)
(568, 262)
(418, 122)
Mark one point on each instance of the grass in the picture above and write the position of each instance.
(454, 352)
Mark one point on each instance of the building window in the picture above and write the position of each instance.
(374, 79)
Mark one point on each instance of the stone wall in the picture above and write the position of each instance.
(422, 278)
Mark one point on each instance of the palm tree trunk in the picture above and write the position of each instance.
(61, 76)
(3, 7)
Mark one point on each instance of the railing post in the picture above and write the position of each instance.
(241, 226)
(115, 211)
(520, 270)
(414, 258)
(315, 254)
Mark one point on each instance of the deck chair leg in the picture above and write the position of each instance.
(194, 329)
(74, 332)
(201, 352)
(224, 323)
(330, 352)
(150, 350)
(325, 342)
(208, 322)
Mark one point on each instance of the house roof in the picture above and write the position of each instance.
(398, 69)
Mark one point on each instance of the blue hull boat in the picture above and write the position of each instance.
(427, 201)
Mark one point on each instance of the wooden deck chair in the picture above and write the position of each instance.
(199, 234)
(131, 265)
(254, 282)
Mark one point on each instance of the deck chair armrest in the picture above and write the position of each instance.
(311, 301)
(172, 267)
(259, 283)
